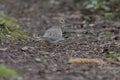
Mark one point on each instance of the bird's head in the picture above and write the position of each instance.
(59, 21)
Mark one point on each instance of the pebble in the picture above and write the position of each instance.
(91, 25)
(24, 48)
(118, 58)
(37, 59)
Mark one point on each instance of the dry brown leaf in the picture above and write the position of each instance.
(85, 60)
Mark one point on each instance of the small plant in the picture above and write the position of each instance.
(7, 73)
(105, 36)
(110, 8)
(9, 28)
(113, 56)
(95, 4)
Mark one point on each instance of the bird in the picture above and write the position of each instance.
(54, 34)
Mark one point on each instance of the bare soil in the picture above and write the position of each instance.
(95, 37)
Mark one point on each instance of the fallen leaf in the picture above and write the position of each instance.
(85, 60)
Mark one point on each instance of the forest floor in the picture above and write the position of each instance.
(95, 37)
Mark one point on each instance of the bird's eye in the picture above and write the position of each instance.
(62, 20)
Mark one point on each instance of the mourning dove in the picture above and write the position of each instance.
(54, 34)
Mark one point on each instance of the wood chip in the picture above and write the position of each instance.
(3, 49)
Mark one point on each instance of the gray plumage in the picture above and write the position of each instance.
(54, 34)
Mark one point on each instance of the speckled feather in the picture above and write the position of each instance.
(54, 34)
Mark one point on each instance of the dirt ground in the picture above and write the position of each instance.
(95, 37)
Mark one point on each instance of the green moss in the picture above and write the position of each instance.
(113, 56)
(6, 73)
(9, 28)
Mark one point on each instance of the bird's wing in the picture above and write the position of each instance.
(53, 33)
